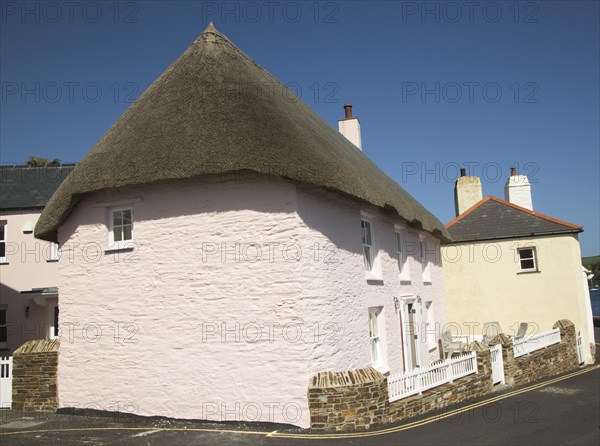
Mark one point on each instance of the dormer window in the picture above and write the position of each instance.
(121, 228)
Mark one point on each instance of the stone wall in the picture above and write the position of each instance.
(35, 366)
(549, 361)
(358, 400)
(353, 400)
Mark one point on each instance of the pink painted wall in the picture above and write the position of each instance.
(27, 267)
(222, 311)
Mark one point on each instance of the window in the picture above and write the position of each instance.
(366, 233)
(375, 337)
(430, 326)
(400, 256)
(527, 259)
(53, 332)
(424, 263)
(399, 252)
(52, 252)
(2, 241)
(121, 228)
(3, 329)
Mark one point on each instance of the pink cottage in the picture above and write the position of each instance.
(225, 244)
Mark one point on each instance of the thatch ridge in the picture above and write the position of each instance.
(214, 110)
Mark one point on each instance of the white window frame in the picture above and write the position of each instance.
(401, 257)
(53, 252)
(5, 325)
(376, 337)
(430, 332)
(53, 332)
(121, 244)
(533, 257)
(3, 240)
(425, 270)
(368, 220)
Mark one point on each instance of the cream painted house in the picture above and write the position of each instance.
(229, 244)
(28, 266)
(510, 264)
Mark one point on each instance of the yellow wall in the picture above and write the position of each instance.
(483, 284)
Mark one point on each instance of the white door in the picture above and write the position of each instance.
(411, 323)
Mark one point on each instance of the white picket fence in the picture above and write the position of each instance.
(411, 383)
(536, 342)
(6, 382)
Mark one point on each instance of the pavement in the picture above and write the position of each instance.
(562, 410)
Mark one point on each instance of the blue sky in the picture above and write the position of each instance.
(436, 85)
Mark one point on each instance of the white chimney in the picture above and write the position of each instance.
(350, 127)
(517, 190)
(467, 192)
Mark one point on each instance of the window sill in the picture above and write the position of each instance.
(376, 277)
(52, 261)
(432, 347)
(117, 249)
(4, 263)
(381, 369)
(427, 282)
(533, 271)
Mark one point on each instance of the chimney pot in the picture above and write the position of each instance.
(463, 172)
(513, 171)
(348, 110)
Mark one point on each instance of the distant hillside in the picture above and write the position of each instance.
(593, 264)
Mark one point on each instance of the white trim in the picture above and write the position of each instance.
(376, 315)
(3, 223)
(53, 252)
(425, 264)
(120, 244)
(51, 308)
(430, 332)
(533, 257)
(403, 263)
(416, 302)
(374, 273)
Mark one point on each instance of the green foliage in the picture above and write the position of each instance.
(38, 161)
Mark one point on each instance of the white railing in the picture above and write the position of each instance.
(536, 342)
(406, 384)
(5, 382)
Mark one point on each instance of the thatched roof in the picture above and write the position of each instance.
(214, 110)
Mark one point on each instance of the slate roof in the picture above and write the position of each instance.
(493, 218)
(213, 111)
(29, 187)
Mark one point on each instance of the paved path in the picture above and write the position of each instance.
(559, 411)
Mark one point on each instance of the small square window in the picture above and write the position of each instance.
(121, 228)
(527, 259)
